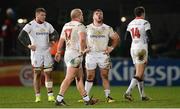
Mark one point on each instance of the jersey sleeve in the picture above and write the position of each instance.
(51, 29)
(147, 26)
(63, 33)
(128, 28)
(81, 28)
(111, 31)
(27, 28)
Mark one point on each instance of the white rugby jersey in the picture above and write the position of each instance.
(138, 28)
(98, 37)
(39, 34)
(70, 33)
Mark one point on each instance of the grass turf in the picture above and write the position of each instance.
(23, 97)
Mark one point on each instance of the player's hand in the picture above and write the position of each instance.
(52, 43)
(32, 47)
(108, 50)
(87, 50)
(57, 57)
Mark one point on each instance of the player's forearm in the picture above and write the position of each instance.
(82, 39)
(54, 36)
(24, 38)
(82, 45)
(60, 45)
(115, 40)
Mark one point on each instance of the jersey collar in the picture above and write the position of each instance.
(77, 20)
(139, 18)
(97, 26)
(38, 22)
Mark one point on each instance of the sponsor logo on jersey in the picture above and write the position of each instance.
(97, 36)
(42, 33)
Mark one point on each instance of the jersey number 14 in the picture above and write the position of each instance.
(135, 32)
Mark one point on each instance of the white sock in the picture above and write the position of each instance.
(88, 86)
(86, 98)
(107, 92)
(38, 94)
(132, 85)
(141, 88)
(59, 98)
(50, 94)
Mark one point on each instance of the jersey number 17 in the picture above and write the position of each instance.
(68, 33)
(135, 32)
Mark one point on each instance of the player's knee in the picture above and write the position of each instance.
(104, 76)
(48, 70)
(37, 70)
(37, 73)
(90, 77)
(79, 79)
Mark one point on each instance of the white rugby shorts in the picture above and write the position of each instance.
(41, 59)
(139, 54)
(100, 59)
(71, 58)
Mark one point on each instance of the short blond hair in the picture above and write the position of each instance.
(75, 13)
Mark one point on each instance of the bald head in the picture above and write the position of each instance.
(76, 14)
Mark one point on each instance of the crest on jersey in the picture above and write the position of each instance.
(42, 30)
(98, 32)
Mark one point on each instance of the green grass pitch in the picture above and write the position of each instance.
(23, 97)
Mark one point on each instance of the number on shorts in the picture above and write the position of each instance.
(135, 32)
